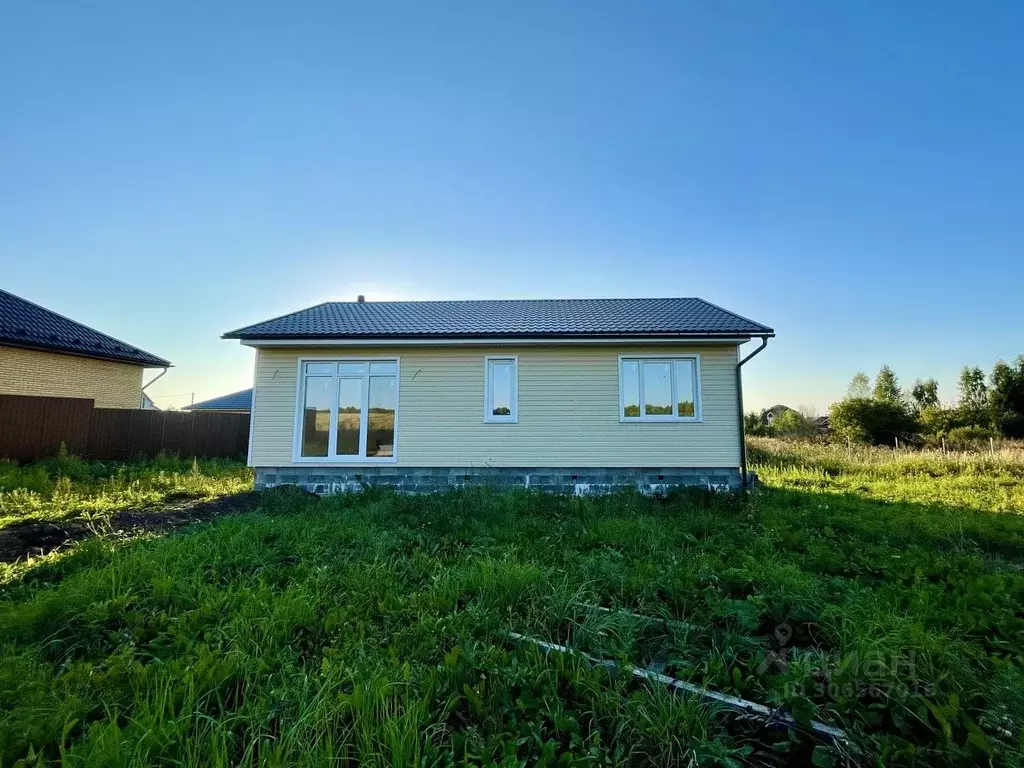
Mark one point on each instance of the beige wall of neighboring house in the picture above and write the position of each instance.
(568, 408)
(31, 372)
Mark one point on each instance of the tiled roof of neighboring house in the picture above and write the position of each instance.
(236, 401)
(517, 318)
(24, 324)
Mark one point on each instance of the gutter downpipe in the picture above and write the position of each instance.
(739, 405)
(143, 393)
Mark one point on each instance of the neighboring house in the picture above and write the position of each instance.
(572, 395)
(148, 404)
(43, 353)
(768, 415)
(236, 402)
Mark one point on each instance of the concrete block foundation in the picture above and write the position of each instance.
(583, 481)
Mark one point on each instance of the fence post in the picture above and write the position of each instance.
(992, 445)
(943, 445)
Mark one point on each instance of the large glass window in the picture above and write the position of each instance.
(659, 389)
(630, 385)
(501, 395)
(380, 439)
(350, 416)
(349, 410)
(316, 416)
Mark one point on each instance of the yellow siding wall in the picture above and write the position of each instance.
(568, 409)
(110, 384)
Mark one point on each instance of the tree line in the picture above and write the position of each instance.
(882, 412)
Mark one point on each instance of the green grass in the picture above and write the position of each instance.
(883, 598)
(66, 486)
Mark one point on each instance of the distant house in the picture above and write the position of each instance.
(769, 415)
(236, 402)
(573, 395)
(46, 354)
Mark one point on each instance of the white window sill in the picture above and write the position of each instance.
(331, 460)
(661, 420)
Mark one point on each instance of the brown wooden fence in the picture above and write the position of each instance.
(35, 427)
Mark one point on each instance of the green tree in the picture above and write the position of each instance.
(887, 386)
(866, 420)
(793, 424)
(1006, 397)
(971, 388)
(937, 422)
(925, 394)
(973, 405)
(753, 425)
(860, 386)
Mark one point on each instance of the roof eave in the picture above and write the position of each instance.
(153, 362)
(478, 339)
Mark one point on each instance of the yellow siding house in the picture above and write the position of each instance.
(580, 396)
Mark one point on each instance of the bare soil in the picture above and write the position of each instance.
(35, 537)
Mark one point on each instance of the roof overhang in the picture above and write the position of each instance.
(476, 341)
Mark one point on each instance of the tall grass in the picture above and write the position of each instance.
(67, 486)
(857, 458)
(371, 629)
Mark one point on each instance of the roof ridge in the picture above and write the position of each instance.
(470, 301)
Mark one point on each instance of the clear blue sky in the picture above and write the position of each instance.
(850, 173)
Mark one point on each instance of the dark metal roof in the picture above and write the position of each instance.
(515, 318)
(236, 401)
(24, 324)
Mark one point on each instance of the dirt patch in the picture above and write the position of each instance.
(34, 537)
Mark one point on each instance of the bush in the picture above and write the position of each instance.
(879, 422)
(754, 426)
(968, 437)
(32, 478)
(66, 465)
(793, 424)
(937, 422)
(1012, 425)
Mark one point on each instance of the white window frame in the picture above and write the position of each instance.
(489, 417)
(698, 415)
(332, 437)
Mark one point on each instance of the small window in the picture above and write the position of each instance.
(659, 389)
(501, 390)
